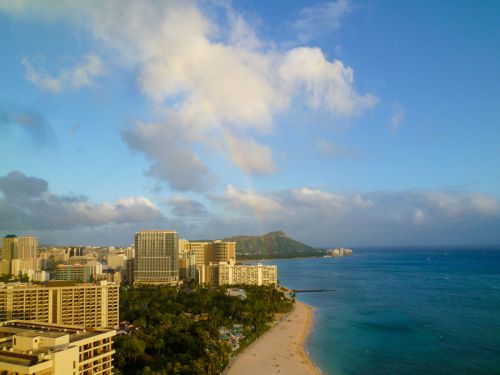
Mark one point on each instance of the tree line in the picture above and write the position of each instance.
(176, 330)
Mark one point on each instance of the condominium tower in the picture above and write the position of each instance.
(86, 305)
(156, 257)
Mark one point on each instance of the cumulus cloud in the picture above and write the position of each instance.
(27, 204)
(209, 76)
(173, 161)
(81, 75)
(249, 201)
(320, 19)
(397, 118)
(250, 156)
(329, 85)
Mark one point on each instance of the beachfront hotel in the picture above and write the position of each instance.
(53, 349)
(228, 273)
(156, 257)
(86, 305)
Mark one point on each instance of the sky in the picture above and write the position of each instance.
(343, 123)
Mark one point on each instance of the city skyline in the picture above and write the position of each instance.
(342, 123)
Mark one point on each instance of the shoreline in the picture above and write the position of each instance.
(280, 349)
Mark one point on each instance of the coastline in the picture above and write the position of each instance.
(280, 349)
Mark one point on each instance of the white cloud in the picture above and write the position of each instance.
(251, 156)
(207, 78)
(321, 19)
(329, 85)
(81, 75)
(397, 118)
(246, 200)
(456, 204)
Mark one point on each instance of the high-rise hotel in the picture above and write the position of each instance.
(156, 257)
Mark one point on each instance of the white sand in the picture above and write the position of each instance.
(280, 350)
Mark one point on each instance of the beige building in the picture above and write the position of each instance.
(86, 305)
(117, 260)
(156, 257)
(19, 255)
(80, 273)
(207, 253)
(50, 349)
(223, 251)
(232, 274)
(187, 266)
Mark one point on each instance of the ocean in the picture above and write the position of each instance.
(402, 311)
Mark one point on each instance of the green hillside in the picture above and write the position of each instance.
(271, 245)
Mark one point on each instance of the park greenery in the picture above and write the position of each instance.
(176, 330)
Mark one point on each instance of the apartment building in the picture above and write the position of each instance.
(52, 349)
(226, 273)
(86, 305)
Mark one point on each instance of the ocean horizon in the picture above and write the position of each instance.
(402, 310)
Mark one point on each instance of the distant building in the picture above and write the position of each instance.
(156, 257)
(51, 349)
(76, 251)
(19, 255)
(117, 260)
(338, 252)
(129, 252)
(80, 259)
(80, 273)
(87, 305)
(187, 266)
(128, 275)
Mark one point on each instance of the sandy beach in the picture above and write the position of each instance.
(280, 349)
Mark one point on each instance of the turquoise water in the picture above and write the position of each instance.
(402, 311)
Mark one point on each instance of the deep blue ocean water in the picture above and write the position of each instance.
(406, 311)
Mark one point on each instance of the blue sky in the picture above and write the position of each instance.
(342, 123)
